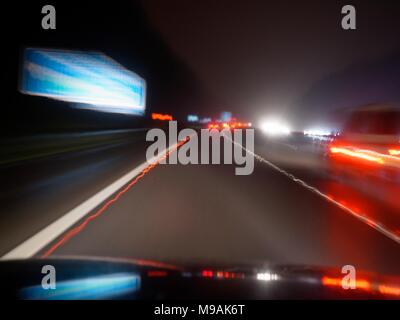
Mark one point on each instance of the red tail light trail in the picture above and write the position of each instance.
(162, 117)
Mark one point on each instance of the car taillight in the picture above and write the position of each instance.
(358, 154)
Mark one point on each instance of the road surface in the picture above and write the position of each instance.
(196, 214)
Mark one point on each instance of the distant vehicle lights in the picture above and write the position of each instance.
(317, 132)
(360, 154)
(274, 127)
(230, 125)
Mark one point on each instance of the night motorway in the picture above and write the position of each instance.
(155, 150)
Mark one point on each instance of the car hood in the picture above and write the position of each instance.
(107, 278)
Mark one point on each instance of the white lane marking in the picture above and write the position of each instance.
(377, 226)
(37, 242)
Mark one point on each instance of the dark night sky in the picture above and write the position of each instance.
(262, 56)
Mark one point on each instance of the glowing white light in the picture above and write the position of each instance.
(192, 118)
(317, 132)
(274, 127)
(267, 276)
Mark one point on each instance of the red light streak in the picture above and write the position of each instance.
(364, 285)
(337, 282)
(151, 263)
(394, 152)
(326, 281)
(230, 125)
(207, 273)
(221, 274)
(389, 290)
(73, 232)
(157, 273)
(357, 154)
(162, 117)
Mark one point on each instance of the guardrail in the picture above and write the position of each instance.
(21, 149)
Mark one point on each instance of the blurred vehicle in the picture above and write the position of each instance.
(369, 144)
(90, 278)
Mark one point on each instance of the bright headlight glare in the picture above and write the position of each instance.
(274, 127)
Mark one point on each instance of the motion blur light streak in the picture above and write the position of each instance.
(157, 273)
(90, 79)
(151, 263)
(316, 132)
(267, 276)
(50, 233)
(364, 285)
(162, 117)
(99, 287)
(394, 152)
(338, 282)
(374, 224)
(389, 290)
(80, 227)
(220, 274)
(192, 118)
(357, 154)
(229, 125)
(327, 281)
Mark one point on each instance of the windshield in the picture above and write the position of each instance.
(202, 133)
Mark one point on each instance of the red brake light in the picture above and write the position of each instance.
(357, 154)
(207, 273)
